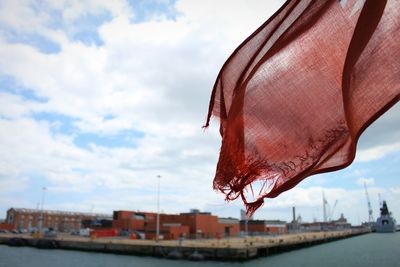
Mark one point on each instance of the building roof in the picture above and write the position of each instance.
(195, 212)
(228, 220)
(58, 212)
(265, 222)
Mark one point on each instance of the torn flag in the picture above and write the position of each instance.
(296, 95)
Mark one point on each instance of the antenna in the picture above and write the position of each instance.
(370, 216)
(380, 200)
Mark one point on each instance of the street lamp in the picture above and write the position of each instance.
(158, 208)
(41, 213)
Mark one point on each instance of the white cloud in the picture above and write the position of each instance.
(9, 184)
(69, 168)
(395, 190)
(20, 16)
(367, 181)
(377, 152)
(74, 9)
(144, 70)
(14, 106)
(384, 131)
(233, 21)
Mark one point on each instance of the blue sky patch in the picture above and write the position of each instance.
(109, 117)
(88, 38)
(88, 28)
(63, 124)
(121, 139)
(9, 84)
(81, 171)
(39, 42)
(145, 9)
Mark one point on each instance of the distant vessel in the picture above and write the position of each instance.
(385, 223)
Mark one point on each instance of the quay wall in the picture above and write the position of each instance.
(234, 249)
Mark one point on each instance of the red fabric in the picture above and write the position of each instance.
(295, 96)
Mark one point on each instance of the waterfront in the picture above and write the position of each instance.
(366, 250)
(231, 249)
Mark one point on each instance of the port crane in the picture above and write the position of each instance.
(327, 211)
(332, 210)
(370, 216)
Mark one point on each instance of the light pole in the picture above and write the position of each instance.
(41, 213)
(158, 208)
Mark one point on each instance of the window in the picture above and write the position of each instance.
(10, 219)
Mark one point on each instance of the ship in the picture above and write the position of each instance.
(385, 223)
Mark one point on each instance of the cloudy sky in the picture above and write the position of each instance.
(98, 97)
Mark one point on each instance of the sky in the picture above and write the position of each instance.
(99, 97)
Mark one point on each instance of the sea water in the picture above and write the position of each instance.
(370, 250)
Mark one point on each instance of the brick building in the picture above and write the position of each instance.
(194, 224)
(228, 227)
(132, 221)
(201, 224)
(263, 227)
(30, 219)
(5, 226)
(168, 230)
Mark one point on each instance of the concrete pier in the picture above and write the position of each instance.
(233, 249)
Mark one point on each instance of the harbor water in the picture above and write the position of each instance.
(361, 251)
